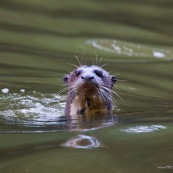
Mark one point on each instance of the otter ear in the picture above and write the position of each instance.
(113, 80)
(66, 79)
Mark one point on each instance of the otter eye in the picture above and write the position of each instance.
(98, 73)
(77, 73)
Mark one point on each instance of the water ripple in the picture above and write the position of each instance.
(144, 129)
(32, 106)
(132, 49)
(82, 141)
(37, 113)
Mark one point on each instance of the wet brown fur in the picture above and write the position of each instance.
(88, 98)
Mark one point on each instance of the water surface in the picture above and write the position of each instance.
(37, 45)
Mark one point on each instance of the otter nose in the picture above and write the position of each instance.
(87, 77)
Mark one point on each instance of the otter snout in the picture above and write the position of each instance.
(87, 77)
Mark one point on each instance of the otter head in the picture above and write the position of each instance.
(89, 90)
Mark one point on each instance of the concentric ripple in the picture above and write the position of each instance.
(82, 141)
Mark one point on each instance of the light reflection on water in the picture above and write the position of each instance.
(131, 49)
(83, 142)
(32, 112)
(32, 106)
(38, 113)
(144, 129)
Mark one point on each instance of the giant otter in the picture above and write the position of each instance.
(89, 91)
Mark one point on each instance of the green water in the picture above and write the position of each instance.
(38, 41)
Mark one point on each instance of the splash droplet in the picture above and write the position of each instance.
(5, 90)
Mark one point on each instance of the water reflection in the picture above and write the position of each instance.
(144, 129)
(82, 141)
(158, 54)
(131, 49)
(32, 106)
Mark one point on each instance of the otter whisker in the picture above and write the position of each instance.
(110, 90)
(115, 103)
(112, 100)
(96, 58)
(116, 87)
(121, 80)
(115, 106)
(117, 95)
(72, 90)
(72, 86)
(83, 57)
(71, 95)
(100, 61)
(104, 65)
(77, 60)
(73, 65)
(62, 90)
(65, 89)
(113, 85)
(103, 95)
